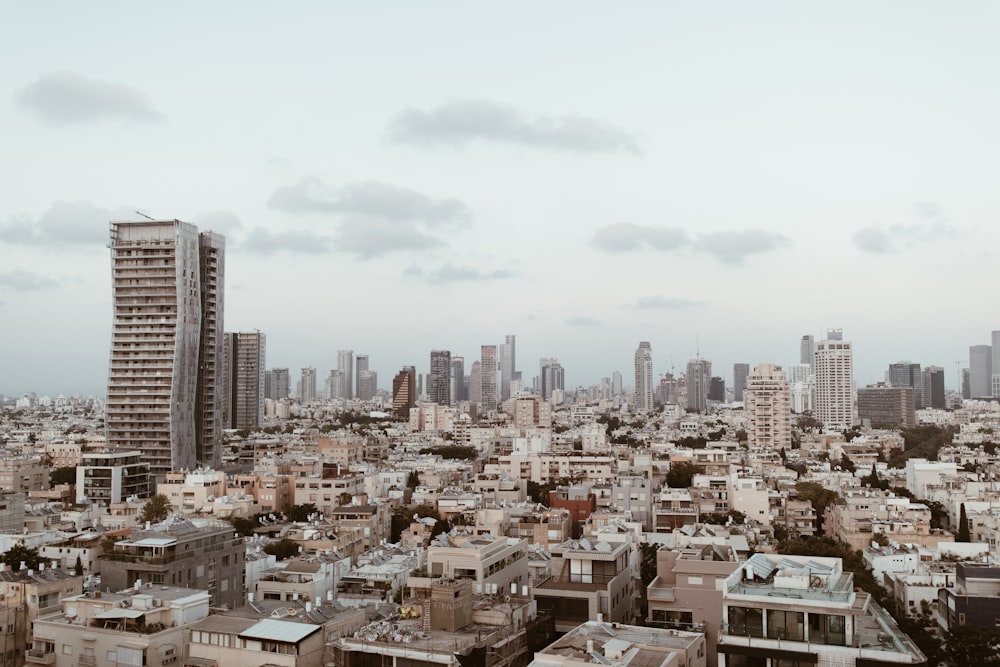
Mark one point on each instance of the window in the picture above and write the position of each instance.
(746, 621)
(785, 625)
(67, 649)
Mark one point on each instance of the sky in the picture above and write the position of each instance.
(395, 177)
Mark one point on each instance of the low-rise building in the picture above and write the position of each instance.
(593, 643)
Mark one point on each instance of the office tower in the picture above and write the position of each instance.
(336, 385)
(995, 364)
(281, 384)
(475, 384)
(740, 373)
(404, 392)
(768, 408)
(508, 367)
(551, 377)
(668, 389)
(165, 373)
(966, 383)
(245, 354)
(644, 377)
(798, 373)
(699, 374)
(439, 378)
(459, 392)
(367, 385)
(882, 405)
(360, 366)
(269, 384)
(616, 383)
(307, 386)
(717, 389)
(345, 362)
(488, 377)
(906, 374)
(807, 351)
(980, 371)
(423, 383)
(834, 384)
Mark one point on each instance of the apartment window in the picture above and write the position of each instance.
(746, 621)
(785, 625)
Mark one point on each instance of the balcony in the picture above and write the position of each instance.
(660, 594)
(37, 656)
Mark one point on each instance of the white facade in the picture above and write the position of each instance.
(835, 384)
(769, 415)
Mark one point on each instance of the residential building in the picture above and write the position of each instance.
(879, 405)
(345, 364)
(112, 477)
(598, 643)
(439, 378)
(367, 384)
(165, 376)
(307, 386)
(275, 642)
(768, 408)
(404, 392)
(644, 377)
(492, 562)
(834, 372)
(699, 375)
(280, 384)
(508, 366)
(551, 377)
(797, 610)
(197, 554)
(975, 600)
(191, 492)
(488, 378)
(28, 595)
(995, 364)
(23, 474)
(459, 391)
(245, 374)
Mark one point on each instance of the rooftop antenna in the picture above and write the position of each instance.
(145, 216)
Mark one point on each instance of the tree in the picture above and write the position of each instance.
(972, 645)
(244, 525)
(300, 512)
(442, 526)
(78, 567)
(819, 496)
(412, 480)
(283, 549)
(681, 473)
(344, 498)
(809, 424)
(963, 526)
(647, 563)
(64, 475)
(156, 509)
(847, 464)
(18, 554)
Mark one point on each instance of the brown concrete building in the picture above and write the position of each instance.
(880, 405)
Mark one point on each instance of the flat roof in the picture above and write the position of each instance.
(280, 631)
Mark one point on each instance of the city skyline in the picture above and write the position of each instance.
(714, 181)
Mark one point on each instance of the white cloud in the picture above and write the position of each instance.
(63, 98)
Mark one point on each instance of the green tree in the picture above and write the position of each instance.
(681, 473)
(156, 509)
(64, 475)
(244, 525)
(442, 526)
(963, 526)
(412, 480)
(819, 496)
(846, 464)
(283, 549)
(972, 645)
(647, 563)
(78, 567)
(18, 554)
(300, 512)
(809, 424)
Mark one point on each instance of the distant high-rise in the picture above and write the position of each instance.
(459, 392)
(717, 389)
(668, 389)
(980, 371)
(807, 351)
(835, 382)
(280, 384)
(644, 377)
(488, 377)
(475, 384)
(995, 364)
(699, 375)
(966, 383)
(165, 379)
(740, 373)
(345, 363)
(768, 408)
(882, 405)
(336, 385)
(616, 383)
(508, 367)
(307, 386)
(360, 366)
(367, 385)
(934, 387)
(439, 378)
(907, 374)
(404, 392)
(551, 377)
(245, 354)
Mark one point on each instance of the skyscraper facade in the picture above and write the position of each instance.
(740, 373)
(699, 375)
(307, 386)
(439, 378)
(995, 364)
(934, 387)
(508, 366)
(360, 366)
(459, 392)
(475, 384)
(165, 377)
(280, 384)
(834, 383)
(336, 385)
(367, 385)
(980, 371)
(488, 377)
(768, 408)
(551, 377)
(907, 374)
(345, 363)
(644, 377)
(807, 350)
(404, 392)
(245, 355)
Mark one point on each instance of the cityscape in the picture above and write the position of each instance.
(542, 336)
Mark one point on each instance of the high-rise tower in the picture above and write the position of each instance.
(165, 378)
(360, 366)
(907, 374)
(488, 377)
(245, 356)
(345, 363)
(551, 376)
(740, 373)
(768, 408)
(508, 366)
(439, 378)
(835, 382)
(644, 377)
(404, 392)
(307, 385)
(699, 375)
(807, 351)
(458, 389)
(980, 371)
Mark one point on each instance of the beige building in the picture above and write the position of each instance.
(768, 408)
(219, 641)
(860, 514)
(28, 595)
(23, 474)
(137, 627)
(192, 492)
(63, 454)
(493, 563)
(594, 643)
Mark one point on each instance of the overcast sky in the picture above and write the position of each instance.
(397, 177)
